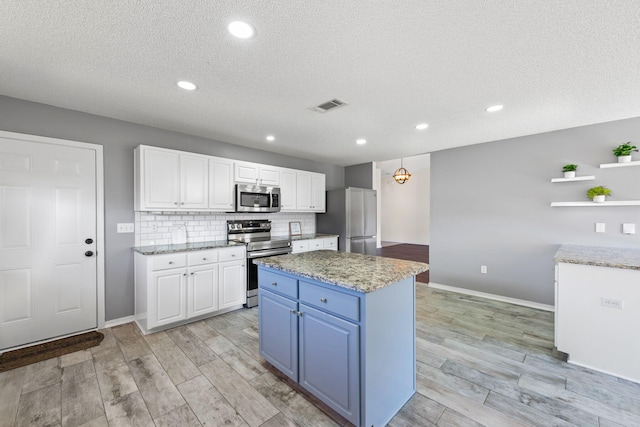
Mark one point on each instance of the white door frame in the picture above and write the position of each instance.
(100, 255)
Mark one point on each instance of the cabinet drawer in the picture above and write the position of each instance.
(232, 254)
(278, 283)
(331, 243)
(203, 257)
(316, 244)
(298, 246)
(162, 262)
(330, 300)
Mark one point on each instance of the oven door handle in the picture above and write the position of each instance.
(261, 254)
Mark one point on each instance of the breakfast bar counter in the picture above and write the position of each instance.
(342, 325)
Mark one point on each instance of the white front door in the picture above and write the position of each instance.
(48, 233)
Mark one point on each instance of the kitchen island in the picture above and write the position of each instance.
(342, 325)
(598, 308)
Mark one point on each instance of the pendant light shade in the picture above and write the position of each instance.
(401, 175)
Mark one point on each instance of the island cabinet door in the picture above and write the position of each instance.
(278, 332)
(329, 361)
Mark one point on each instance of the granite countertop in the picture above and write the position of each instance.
(362, 273)
(184, 247)
(599, 256)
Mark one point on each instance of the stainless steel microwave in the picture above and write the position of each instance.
(257, 198)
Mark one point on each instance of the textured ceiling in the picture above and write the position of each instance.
(553, 64)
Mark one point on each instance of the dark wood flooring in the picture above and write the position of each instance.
(409, 252)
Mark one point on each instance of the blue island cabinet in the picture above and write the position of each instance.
(355, 351)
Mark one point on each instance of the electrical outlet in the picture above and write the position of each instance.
(128, 227)
(600, 227)
(629, 228)
(483, 269)
(154, 227)
(611, 303)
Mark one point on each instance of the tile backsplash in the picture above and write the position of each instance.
(154, 228)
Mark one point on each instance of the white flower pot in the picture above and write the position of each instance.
(571, 174)
(599, 199)
(624, 159)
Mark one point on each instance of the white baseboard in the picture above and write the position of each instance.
(516, 301)
(120, 321)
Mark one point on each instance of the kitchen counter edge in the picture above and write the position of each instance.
(599, 256)
(184, 247)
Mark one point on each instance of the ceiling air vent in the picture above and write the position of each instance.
(329, 105)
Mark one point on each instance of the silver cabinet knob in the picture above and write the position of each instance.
(274, 283)
(323, 300)
(170, 262)
(299, 314)
(292, 310)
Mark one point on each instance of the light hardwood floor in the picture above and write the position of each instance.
(480, 363)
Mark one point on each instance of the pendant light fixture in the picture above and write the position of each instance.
(401, 175)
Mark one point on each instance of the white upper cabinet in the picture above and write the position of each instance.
(194, 181)
(310, 192)
(221, 184)
(170, 180)
(255, 173)
(288, 190)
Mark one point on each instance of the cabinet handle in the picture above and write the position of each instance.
(274, 283)
(323, 300)
(192, 273)
(175, 203)
(204, 259)
(233, 255)
(170, 262)
(299, 314)
(185, 274)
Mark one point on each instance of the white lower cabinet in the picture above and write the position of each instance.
(306, 245)
(176, 288)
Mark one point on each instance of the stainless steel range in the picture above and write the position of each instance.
(256, 233)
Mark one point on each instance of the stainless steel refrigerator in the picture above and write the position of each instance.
(351, 213)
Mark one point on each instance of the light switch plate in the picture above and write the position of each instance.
(629, 228)
(126, 227)
(600, 227)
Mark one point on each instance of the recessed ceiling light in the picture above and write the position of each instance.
(422, 126)
(241, 30)
(361, 141)
(186, 85)
(495, 108)
(271, 138)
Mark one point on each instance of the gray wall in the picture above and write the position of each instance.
(490, 206)
(119, 138)
(360, 176)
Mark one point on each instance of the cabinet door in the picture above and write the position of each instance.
(194, 182)
(288, 189)
(329, 360)
(278, 332)
(221, 184)
(202, 290)
(318, 192)
(247, 172)
(167, 297)
(233, 288)
(160, 179)
(269, 175)
(304, 191)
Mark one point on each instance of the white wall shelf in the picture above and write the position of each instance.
(577, 178)
(619, 165)
(611, 203)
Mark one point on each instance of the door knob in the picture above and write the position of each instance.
(88, 253)
(89, 241)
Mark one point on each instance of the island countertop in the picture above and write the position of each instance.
(628, 258)
(362, 273)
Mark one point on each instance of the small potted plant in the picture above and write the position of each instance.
(598, 194)
(623, 152)
(569, 170)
